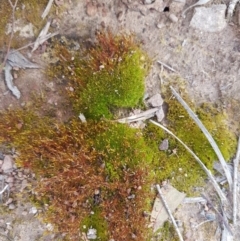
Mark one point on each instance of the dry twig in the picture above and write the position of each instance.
(47, 9)
(167, 66)
(169, 212)
(12, 33)
(208, 136)
(209, 174)
(141, 116)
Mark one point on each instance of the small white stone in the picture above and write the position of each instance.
(33, 210)
(92, 233)
(7, 165)
(156, 100)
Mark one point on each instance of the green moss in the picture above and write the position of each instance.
(123, 148)
(168, 232)
(96, 220)
(108, 76)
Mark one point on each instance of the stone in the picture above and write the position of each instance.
(33, 210)
(160, 114)
(11, 206)
(156, 100)
(173, 18)
(120, 16)
(91, 9)
(7, 165)
(210, 216)
(10, 179)
(164, 145)
(92, 233)
(210, 19)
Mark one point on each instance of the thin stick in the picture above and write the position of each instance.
(167, 66)
(141, 116)
(209, 174)
(235, 182)
(208, 136)
(222, 217)
(12, 33)
(47, 9)
(169, 213)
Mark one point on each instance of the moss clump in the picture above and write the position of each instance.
(108, 76)
(176, 163)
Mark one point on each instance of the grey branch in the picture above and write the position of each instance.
(208, 136)
(169, 213)
(209, 174)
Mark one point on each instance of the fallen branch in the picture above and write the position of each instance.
(167, 66)
(208, 136)
(169, 213)
(209, 174)
(235, 183)
(47, 9)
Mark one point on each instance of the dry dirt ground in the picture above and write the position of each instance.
(208, 63)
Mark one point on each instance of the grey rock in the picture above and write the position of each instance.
(210, 216)
(164, 145)
(7, 165)
(210, 19)
(156, 100)
(160, 114)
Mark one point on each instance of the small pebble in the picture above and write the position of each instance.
(33, 210)
(173, 18)
(10, 200)
(164, 145)
(11, 206)
(7, 165)
(9, 179)
(120, 16)
(91, 9)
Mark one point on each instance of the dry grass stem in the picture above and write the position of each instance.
(47, 9)
(167, 66)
